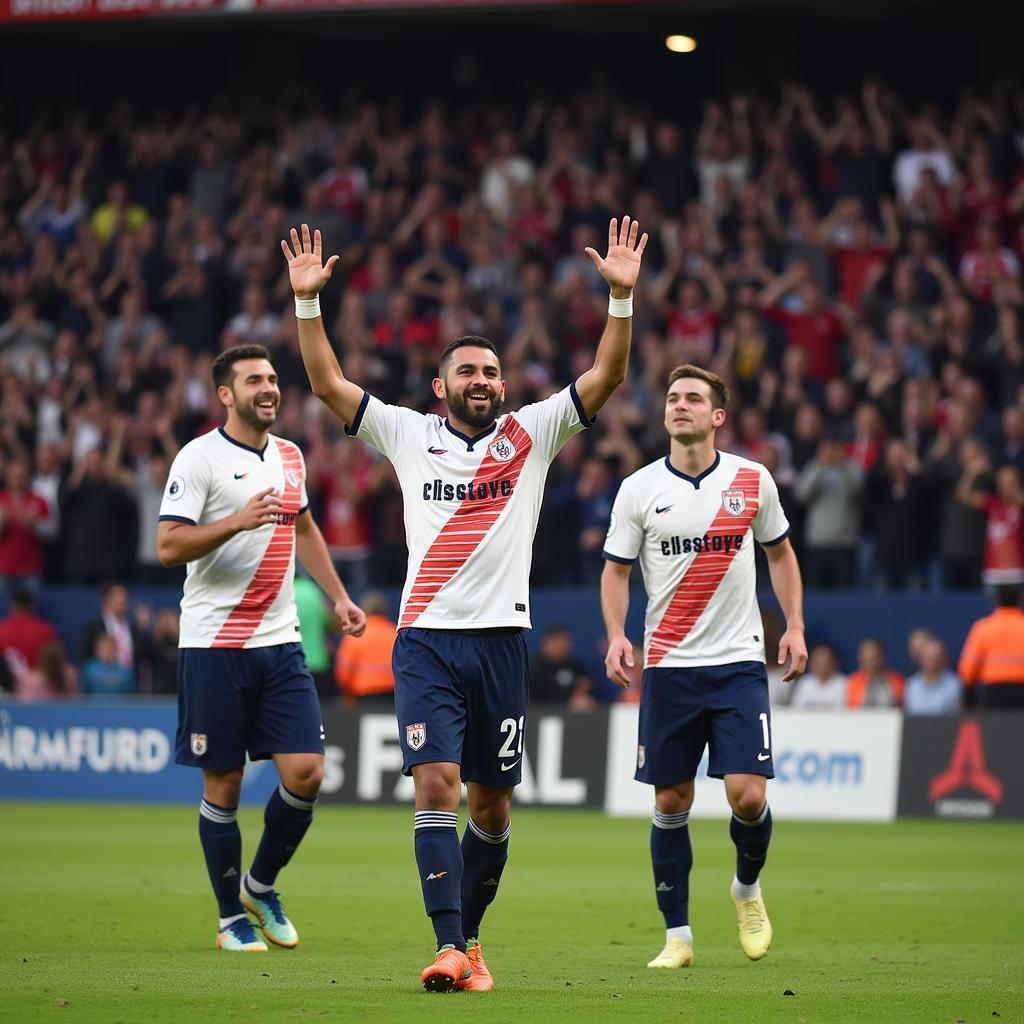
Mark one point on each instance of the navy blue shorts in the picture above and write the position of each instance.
(261, 701)
(684, 710)
(460, 696)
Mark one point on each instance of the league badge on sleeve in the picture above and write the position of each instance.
(416, 735)
(292, 476)
(501, 449)
(199, 743)
(641, 756)
(734, 502)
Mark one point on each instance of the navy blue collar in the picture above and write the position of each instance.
(470, 441)
(695, 480)
(247, 447)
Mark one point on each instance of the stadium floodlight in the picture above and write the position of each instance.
(681, 44)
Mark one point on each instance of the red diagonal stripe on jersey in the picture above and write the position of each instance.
(265, 585)
(704, 574)
(463, 533)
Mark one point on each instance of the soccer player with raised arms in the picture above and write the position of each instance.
(472, 484)
(235, 509)
(691, 520)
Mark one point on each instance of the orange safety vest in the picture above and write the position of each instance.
(857, 687)
(994, 650)
(363, 664)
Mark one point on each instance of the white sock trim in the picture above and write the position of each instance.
(487, 837)
(256, 888)
(225, 921)
(745, 892)
(295, 801)
(683, 932)
(219, 815)
(752, 822)
(669, 821)
(436, 819)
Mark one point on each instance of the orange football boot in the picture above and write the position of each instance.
(450, 967)
(480, 980)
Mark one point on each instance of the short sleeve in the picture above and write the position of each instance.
(770, 524)
(625, 528)
(387, 427)
(552, 422)
(186, 488)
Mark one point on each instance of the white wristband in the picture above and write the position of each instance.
(307, 309)
(621, 308)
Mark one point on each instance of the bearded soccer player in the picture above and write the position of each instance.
(472, 483)
(691, 520)
(235, 509)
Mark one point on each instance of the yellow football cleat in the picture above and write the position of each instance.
(677, 953)
(755, 928)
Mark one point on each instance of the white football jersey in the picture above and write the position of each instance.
(694, 539)
(241, 594)
(471, 506)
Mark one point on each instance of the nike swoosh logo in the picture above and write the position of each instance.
(509, 767)
(241, 476)
(432, 875)
(438, 451)
(658, 511)
(763, 757)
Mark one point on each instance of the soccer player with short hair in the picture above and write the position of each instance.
(691, 520)
(472, 483)
(235, 509)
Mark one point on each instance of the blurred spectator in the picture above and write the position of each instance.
(31, 650)
(114, 623)
(823, 686)
(595, 491)
(94, 508)
(315, 618)
(23, 521)
(158, 655)
(873, 685)
(1004, 520)
(362, 666)
(898, 498)
(557, 676)
(992, 661)
(830, 487)
(102, 675)
(933, 689)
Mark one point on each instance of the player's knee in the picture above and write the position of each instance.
(748, 802)
(223, 789)
(492, 814)
(673, 799)
(305, 778)
(437, 788)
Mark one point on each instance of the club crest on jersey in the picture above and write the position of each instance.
(734, 502)
(416, 735)
(199, 743)
(501, 449)
(641, 756)
(292, 476)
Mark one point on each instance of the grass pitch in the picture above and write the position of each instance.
(106, 916)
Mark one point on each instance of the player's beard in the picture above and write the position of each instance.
(258, 419)
(481, 418)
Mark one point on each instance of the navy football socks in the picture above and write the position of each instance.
(751, 839)
(439, 859)
(483, 858)
(285, 821)
(672, 858)
(222, 848)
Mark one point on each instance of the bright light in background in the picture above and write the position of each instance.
(681, 44)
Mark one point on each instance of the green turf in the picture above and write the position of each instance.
(105, 916)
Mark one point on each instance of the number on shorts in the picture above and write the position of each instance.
(514, 729)
(764, 728)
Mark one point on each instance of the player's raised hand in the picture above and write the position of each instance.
(794, 646)
(262, 508)
(307, 271)
(351, 617)
(618, 661)
(621, 267)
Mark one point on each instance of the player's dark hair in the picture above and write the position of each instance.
(107, 586)
(22, 599)
(1008, 596)
(471, 340)
(719, 392)
(223, 368)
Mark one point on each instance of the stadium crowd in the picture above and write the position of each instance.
(850, 266)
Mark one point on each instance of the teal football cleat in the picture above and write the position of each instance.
(240, 937)
(266, 908)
